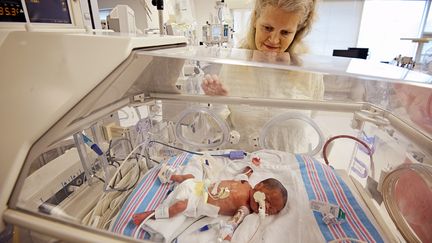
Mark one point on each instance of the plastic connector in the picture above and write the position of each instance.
(92, 145)
(236, 154)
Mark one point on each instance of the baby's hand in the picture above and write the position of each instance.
(213, 86)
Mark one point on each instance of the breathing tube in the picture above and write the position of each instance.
(291, 116)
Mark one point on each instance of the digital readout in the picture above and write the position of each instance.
(11, 11)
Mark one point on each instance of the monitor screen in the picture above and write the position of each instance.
(216, 31)
(11, 11)
(48, 11)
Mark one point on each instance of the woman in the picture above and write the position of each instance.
(277, 28)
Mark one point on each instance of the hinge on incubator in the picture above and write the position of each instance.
(372, 116)
(254, 140)
(139, 98)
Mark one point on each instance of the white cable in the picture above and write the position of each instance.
(140, 157)
(142, 224)
(290, 116)
(123, 162)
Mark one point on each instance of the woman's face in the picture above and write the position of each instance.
(275, 29)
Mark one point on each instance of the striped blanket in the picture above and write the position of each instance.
(320, 181)
(323, 184)
(148, 194)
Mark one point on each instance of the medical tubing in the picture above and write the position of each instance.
(291, 116)
(112, 144)
(142, 224)
(370, 152)
(123, 162)
(201, 110)
(229, 155)
(112, 188)
(256, 230)
(140, 156)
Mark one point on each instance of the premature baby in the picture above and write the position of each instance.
(234, 198)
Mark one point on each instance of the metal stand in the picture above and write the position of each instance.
(159, 6)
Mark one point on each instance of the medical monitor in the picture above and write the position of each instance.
(48, 11)
(35, 11)
(11, 11)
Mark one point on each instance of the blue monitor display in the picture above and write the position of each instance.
(11, 11)
(48, 11)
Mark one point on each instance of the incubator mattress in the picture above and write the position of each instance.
(304, 178)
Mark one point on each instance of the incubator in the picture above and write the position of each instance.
(363, 129)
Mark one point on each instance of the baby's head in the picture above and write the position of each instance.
(275, 196)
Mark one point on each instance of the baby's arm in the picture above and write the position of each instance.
(228, 228)
(173, 210)
(248, 171)
(244, 176)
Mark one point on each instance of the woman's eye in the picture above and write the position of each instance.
(268, 28)
(285, 32)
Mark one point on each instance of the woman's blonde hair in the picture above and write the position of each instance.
(305, 7)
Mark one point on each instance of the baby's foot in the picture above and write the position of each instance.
(138, 218)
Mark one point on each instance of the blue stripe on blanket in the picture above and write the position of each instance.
(147, 195)
(324, 185)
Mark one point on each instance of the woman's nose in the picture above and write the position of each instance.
(274, 38)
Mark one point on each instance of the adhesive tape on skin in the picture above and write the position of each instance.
(259, 197)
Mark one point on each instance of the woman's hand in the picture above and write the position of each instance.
(213, 86)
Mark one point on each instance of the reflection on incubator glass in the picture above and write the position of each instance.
(296, 150)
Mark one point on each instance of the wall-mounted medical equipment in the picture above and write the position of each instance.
(127, 119)
(218, 31)
(216, 34)
(35, 15)
(159, 4)
(122, 19)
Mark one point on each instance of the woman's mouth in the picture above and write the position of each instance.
(272, 48)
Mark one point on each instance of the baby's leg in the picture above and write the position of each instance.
(173, 210)
(181, 178)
